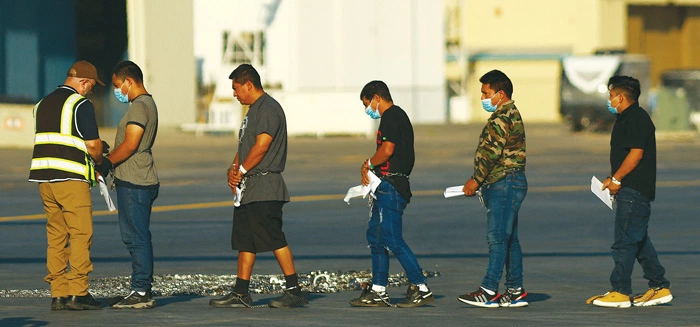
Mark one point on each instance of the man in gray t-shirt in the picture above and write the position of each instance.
(264, 181)
(136, 179)
(139, 168)
(257, 171)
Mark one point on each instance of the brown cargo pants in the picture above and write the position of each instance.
(68, 208)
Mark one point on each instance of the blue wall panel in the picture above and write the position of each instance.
(22, 64)
(55, 68)
(37, 47)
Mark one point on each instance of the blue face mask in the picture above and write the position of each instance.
(611, 109)
(374, 114)
(121, 97)
(486, 104)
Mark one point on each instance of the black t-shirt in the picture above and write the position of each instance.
(395, 127)
(634, 129)
(87, 125)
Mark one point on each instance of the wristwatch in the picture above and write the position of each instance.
(615, 181)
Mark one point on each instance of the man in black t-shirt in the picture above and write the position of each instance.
(392, 162)
(633, 181)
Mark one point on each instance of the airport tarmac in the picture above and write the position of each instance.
(565, 233)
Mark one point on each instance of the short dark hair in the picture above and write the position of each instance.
(127, 68)
(498, 81)
(376, 87)
(629, 86)
(245, 73)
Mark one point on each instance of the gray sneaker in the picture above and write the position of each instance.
(136, 301)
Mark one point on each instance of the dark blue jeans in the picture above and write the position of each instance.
(134, 206)
(384, 234)
(503, 200)
(632, 242)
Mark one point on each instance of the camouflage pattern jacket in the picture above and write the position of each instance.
(501, 145)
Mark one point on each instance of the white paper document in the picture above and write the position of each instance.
(453, 191)
(603, 195)
(105, 193)
(362, 190)
(237, 197)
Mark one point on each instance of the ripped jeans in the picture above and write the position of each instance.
(384, 234)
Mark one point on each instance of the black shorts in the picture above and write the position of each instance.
(257, 227)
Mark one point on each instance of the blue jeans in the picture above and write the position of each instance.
(632, 242)
(384, 234)
(134, 206)
(502, 200)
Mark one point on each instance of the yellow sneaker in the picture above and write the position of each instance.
(611, 299)
(653, 296)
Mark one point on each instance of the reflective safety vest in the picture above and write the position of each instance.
(60, 153)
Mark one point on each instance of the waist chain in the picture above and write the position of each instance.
(262, 173)
(395, 174)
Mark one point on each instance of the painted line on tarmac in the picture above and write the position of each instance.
(326, 197)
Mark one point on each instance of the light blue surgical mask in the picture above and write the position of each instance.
(486, 104)
(121, 97)
(610, 107)
(374, 114)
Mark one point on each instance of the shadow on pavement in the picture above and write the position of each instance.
(22, 321)
(163, 301)
(537, 297)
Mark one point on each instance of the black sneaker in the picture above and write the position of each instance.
(58, 303)
(136, 301)
(480, 298)
(289, 300)
(85, 302)
(233, 300)
(513, 298)
(415, 298)
(370, 298)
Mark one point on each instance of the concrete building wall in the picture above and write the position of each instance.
(318, 55)
(354, 42)
(17, 128)
(579, 27)
(526, 40)
(535, 88)
(161, 43)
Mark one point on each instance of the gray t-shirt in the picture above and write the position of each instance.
(139, 169)
(264, 181)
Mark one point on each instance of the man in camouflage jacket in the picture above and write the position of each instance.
(499, 180)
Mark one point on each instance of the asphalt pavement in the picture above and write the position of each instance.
(565, 233)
